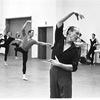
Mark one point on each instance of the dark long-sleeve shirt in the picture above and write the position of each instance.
(93, 42)
(8, 40)
(69, 56)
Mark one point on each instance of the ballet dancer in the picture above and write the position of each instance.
(7, 40)
(93, 43)
(26, 45)
(17, 43)
(64, 59)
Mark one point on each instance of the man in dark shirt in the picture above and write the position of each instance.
(93, 43)
(64, 59)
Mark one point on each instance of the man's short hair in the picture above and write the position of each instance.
(93, 34)
(30, 31)
(80, 34)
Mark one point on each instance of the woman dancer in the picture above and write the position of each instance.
(17, 43)
(64, 59)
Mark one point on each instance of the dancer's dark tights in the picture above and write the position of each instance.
(25, 57)
(6, 50)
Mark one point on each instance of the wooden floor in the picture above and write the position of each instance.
(86, 81)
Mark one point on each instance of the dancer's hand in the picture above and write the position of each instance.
(79, 16)
(54, 62)
(49, 44)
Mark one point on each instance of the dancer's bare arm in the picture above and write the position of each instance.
(41, 43)
(23, 28)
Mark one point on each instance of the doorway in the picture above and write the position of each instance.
(45, 34)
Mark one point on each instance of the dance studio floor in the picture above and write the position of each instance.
(86, 81)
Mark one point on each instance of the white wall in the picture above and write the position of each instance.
(0, 16)
(51, 11)
(38, 9)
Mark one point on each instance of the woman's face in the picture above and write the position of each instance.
(73, 36)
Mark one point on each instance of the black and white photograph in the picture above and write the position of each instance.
(50, 49)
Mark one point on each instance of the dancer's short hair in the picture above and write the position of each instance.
(30, 31)
(93, 34)
(80, 34)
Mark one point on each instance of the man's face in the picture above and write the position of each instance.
(31, 33)
(93, 36)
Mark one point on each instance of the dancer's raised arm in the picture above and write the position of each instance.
(78, 16)
(23, 28)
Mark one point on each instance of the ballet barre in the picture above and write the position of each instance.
(96, 51)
